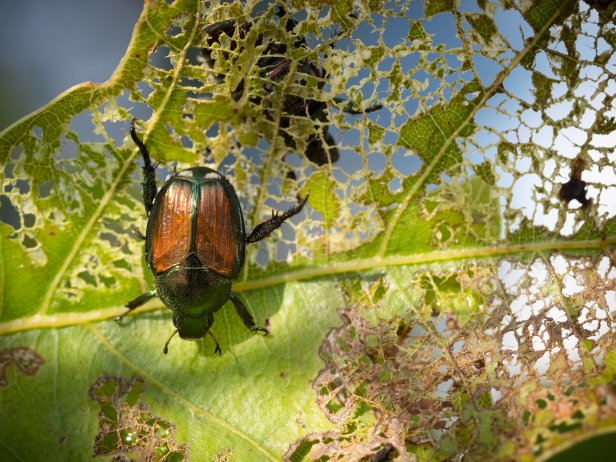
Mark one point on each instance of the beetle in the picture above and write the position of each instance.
(195, 245)
(274, 66)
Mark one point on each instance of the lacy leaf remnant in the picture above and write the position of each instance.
(535, 367)
(128, 430)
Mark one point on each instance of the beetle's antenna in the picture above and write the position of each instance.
(166, 349)
(217, 348)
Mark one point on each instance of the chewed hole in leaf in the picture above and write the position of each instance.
(127, 427)
(8, 213)
(526, 331)
(25, 359)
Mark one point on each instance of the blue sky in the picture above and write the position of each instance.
(49, 46)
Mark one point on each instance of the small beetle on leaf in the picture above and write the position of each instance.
(274, 65)
(195, 245)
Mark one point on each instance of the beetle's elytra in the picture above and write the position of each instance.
(195, 245)
(196, 212)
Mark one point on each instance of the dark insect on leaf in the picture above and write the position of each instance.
(606, 7)
(274, 65)
(195, 245)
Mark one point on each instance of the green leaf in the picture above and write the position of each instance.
(443, 294)
(484, 25)
(438, 6)
(320, 188)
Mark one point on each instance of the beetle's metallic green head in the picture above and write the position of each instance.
(192, 327)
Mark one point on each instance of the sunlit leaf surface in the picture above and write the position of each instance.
(448, 292)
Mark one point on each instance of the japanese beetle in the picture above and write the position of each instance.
(195, 245)
(274, 66)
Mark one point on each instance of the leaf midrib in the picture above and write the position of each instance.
(39, 321)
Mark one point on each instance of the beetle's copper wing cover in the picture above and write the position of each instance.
(216, 240)
(171, 226)
(197, 213)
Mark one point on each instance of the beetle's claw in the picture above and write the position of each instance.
(301, 201)
(119, 318)
(260, 329)
(217, 350)
(137, 233)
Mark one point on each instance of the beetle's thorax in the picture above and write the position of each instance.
(192, 291)
(200, 174)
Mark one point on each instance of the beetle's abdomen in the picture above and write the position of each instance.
(171, 228)
(196, 222)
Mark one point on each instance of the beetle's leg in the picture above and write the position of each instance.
(349, 109)
(245, 315)
(217, 347)
(136, 232)
(149, 171)
(277, 70)
(266, 228)
(140, 300)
